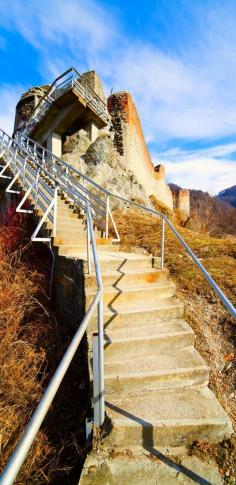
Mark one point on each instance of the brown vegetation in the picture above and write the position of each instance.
(32, 342)
(214, 328)
(210, 215)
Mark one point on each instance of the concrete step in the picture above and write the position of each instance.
(121, 261)
(144, 340)
(73, 238)
(69, 224)
(67, 215)
(123, 280)
(78, 250)
(173, 417)
(139, 313)
(169, 368)
(113, 297)
(74, 231)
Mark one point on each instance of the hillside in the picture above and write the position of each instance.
(32, 343)
(214, 328)
(209, 215)
(228, 196)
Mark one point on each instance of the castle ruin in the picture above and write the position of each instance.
(101, 137)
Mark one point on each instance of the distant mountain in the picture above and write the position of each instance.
(209, 214)
(174, 187)
(228, 196)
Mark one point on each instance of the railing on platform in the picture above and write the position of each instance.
(62, 84)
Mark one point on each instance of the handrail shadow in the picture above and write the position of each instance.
(148, 445)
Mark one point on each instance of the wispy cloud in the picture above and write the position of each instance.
(9, 95)
(184, 89)
(208, 169)
(191, 94)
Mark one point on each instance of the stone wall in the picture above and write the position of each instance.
(27, 104)
(92, 79)
(68, 290)
(181, 200)
(129, 142)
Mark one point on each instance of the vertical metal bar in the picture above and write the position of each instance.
(162, 242)
(24, 172)
(55, 212)
(96, 406)
(88, 240)
(15, 155)
(107, 215)
(101, 362)
(37, 190)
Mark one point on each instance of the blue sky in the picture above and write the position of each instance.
(177, 58)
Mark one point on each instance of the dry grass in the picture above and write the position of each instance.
(32, 342)
(215, 330)
(24, 326)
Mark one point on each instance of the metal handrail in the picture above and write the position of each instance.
(53, 90)
(226, 302)
(19, 455)
(58, 160)
(77, 190)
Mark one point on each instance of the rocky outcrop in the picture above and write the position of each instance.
(109, 169)
(102, 163)
(78, 142)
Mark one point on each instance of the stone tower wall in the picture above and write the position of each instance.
(27, 104)
(92, 79)
(129, 141)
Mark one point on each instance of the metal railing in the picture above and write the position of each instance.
(66, 81)
(43, 182)
(99, 196)
(106, 196)
(42, 174)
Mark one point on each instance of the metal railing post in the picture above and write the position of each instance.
(101, 362)
(15, 156)
(107, 215)
(88, 241)
(162, 242)
(96, 386)
(37, 189)
(24, 172)
(55, 211)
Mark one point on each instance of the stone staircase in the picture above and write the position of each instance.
(156, 382)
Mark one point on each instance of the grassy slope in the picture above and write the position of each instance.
(215, 330)
(32, 342)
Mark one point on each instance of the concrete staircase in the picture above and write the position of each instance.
(156, 382)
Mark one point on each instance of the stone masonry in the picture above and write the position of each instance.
(125, 160)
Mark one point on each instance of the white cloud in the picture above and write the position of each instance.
(9, 95)
(189, 95)
(201, 169)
